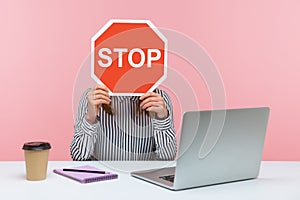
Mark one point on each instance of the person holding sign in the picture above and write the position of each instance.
(124, 127)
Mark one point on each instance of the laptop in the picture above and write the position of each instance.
(216, 146)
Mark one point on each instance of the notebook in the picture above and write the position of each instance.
(86, 177)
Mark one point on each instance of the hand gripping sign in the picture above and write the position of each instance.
(129, 57)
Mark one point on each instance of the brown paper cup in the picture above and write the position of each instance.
(36, 160)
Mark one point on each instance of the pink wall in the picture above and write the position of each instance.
(255, 45)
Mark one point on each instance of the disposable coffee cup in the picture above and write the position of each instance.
(36, 160)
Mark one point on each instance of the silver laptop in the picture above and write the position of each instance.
(216, 146)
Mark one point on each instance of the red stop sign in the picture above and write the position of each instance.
(129, 57)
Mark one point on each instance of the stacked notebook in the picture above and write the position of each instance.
(86, 174)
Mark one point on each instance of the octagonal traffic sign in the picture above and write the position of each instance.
(129, 57)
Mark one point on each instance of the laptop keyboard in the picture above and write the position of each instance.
(168, 178)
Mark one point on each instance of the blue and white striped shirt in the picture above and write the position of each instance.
(124, 135)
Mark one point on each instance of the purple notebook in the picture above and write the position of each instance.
(86, 177)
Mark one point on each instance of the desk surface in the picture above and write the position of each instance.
(277, 180)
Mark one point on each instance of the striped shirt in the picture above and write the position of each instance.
(124, 135)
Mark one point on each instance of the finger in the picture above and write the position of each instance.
(148, 95)
(150, 99)
(100, 101)
(152, 104)
(99, 96)
(98, 91)
(92, 96)
(101, 87)
(101, 92)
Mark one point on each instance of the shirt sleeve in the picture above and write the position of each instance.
(164, 132)
(85, 133)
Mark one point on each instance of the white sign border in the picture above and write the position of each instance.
(154, 28)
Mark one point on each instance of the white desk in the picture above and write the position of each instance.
(277, 180)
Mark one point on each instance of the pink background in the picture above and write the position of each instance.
(255, 45)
